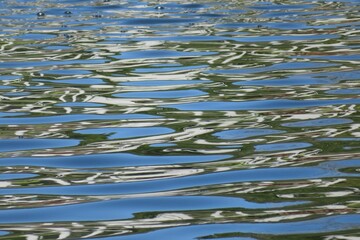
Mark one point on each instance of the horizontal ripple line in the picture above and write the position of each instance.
(260, 104)
(324, 170)
(108, 160)
(320, 225)
(72, 118)
(126, 208)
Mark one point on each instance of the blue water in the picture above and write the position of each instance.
(179, 120)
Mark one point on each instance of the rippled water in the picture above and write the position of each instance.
(179, 120)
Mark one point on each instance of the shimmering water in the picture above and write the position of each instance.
(128, 119)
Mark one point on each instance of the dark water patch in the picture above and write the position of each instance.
(10, 145)
(191, 5)
(107, 7)
(211, 15)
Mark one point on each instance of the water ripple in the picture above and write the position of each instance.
(179, 120)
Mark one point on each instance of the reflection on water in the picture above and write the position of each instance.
(179, 120)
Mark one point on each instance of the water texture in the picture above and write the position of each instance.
(179, 119)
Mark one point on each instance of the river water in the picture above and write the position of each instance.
(128, 119)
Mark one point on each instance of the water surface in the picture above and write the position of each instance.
(179, 120)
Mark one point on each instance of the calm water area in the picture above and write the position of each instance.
(179, 120)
